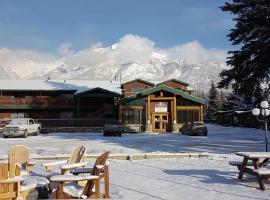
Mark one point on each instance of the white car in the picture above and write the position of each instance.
(21, 127)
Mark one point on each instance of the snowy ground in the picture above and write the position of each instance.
(186, 178)
(220, 140)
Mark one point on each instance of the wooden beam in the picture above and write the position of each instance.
(188, 107)
(161, 94)
(148, 108)
(201, 112)
(174, 109)
(132, 107)
(161, 98)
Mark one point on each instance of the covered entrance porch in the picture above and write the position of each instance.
(160, 109)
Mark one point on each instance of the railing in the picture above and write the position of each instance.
(36, 101)
(89, 122)
(47, 102)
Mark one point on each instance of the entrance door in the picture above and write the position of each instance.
(160, 122)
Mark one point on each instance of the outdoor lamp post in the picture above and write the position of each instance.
(262, 115)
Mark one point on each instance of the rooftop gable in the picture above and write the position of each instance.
(96, 90)
(174, 80)
(139, 80)
(167, 89)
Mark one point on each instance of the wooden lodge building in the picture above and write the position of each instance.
(139, 105)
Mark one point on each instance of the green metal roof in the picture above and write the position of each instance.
(138, 79)
(175, 80)
(164, 88)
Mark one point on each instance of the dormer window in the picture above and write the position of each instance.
(137, 89)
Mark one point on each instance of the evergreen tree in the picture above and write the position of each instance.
(212, 100)
(234, 102)
(222, 99)
(250, 72)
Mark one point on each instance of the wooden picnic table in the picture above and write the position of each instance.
(258, 161)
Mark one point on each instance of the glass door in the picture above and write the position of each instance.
(160, 122)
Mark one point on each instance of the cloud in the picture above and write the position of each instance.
(129, 48)
(132, 48)
(65, 49)
(26, 62)
(194, 53)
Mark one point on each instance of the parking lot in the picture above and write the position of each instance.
(220, 140)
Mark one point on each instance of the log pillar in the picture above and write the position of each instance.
(201, 113)
(174, 118)
(148, 126)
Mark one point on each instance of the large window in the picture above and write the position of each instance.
(184, 116)
(132, 116)
(19, 115)
(137, 89)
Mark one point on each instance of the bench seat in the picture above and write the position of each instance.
(238, 163)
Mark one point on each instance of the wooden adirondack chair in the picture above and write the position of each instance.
(67, 186)
(9, 182)
(19, 154)
(77, 159)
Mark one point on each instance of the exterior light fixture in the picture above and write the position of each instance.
(262, 115)
(264, 104)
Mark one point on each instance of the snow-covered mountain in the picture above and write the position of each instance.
(8, 74)
(198, 75)
(132, 57)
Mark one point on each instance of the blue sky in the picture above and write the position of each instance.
(45, 25)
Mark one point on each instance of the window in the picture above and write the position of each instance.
(66, 115)
(132, 116)
(184, 116)
(19, 115)
(137, 89)
(67, 96)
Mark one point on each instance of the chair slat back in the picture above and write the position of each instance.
(101, 160)
(18, 154)
(77, 154)
(8, 190)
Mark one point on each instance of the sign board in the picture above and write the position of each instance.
(161, 107)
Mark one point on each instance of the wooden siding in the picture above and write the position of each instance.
(127, 88)
(175, 85)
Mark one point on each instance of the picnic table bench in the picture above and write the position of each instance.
(254, 163)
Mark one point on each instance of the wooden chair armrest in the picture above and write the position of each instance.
(73, 165)
(59, 162)
(100, 167)
(12, 180)
(31, 162)
(48, 166)
(30, 165)
(70, 178)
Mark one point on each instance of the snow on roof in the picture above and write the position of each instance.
(53, 85)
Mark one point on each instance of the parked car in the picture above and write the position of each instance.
(3, 123)
(21, 127)
(112, 128)
(195, 128)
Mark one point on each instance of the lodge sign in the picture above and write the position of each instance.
(161, 107)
